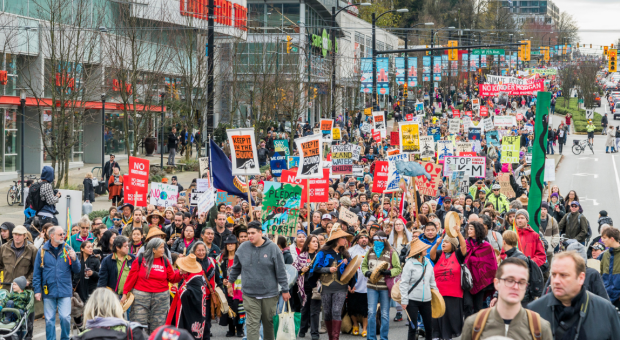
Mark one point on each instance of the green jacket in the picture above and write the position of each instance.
(574, 227)
(473, 190)
(590, 127)
(500, 203)
(370, 262)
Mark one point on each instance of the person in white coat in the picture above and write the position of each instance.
(417, 280)
(357, 301)
(611, 139)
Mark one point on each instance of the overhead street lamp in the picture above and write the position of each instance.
(407, 46)
(374, 54)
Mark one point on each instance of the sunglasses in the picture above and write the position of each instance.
(574, 206)
(116, 219)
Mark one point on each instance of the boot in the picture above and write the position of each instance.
(335, 333)
(328, 325)
(323, 328)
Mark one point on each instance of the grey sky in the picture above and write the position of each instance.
(594, 15)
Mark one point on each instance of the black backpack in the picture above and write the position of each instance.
(537, 281)
(110, 334)
(579, 221)
(34, 199)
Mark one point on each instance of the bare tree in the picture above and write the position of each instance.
(586, 82)
(567, 27)
(568, 77)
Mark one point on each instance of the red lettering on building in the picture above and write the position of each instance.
(3, 77)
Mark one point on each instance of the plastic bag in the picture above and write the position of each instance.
(286, 324)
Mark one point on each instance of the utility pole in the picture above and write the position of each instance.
(210, 67)
(374, 63)
(333, 50)
(432, 80)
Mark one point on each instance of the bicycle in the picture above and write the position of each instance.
(14, 195)
(580, 146)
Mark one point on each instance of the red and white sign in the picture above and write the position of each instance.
(380, 178)
(484, 111)
(394, 138)
(409, 117)
(426, 187)
(456, 113)
(468, 113)
(137, 182)
(376, 135)
(511, 89)
(319, 187)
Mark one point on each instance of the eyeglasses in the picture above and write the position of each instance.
(116, 219)
(510, 282)
(97, 223)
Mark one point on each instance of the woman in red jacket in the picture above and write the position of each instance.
(148, 281)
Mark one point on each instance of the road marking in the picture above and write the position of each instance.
(594, 202)
(589, 158)
(586, 175)
(613, 160)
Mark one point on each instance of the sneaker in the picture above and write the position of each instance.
(323, 329)
(398, 317)
(302, 335)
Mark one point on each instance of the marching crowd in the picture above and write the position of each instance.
(465, 263)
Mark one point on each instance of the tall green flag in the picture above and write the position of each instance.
(538, 158)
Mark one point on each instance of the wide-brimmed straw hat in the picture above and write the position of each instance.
(417, 246)
(155, 212)
(154, 232)
(188, 263)
(337, 233)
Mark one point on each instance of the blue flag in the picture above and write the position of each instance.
(222, 173)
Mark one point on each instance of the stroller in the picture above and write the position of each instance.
(14, 322)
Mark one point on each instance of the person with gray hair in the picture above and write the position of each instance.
(148, 281)
(104, 318)
(84, 235)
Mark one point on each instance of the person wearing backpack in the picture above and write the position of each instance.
(575, 225)
(508, 318)
(42, 197)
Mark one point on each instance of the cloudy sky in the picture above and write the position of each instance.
(597, 19)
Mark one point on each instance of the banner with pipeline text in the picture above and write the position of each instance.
(511, 89)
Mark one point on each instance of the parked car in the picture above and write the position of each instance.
(597, 99)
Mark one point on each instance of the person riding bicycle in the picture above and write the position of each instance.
(590, 128)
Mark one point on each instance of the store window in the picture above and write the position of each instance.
(10, 161)
(77, 152)
(114, 133)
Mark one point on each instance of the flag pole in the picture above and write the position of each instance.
(247, 182)
(308, 203)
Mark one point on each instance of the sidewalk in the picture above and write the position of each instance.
(15, 213)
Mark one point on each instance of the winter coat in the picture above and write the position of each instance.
(611, 138)
(610, 271)
(604, 220)
(531, 245)
(89, 190)
(574, 227)
(115, 190)
(593, 283)
(178, 246)
(108, 274)
(14, 268)
(86, 286)
(411, 274)
(55, 272)
(129, 229)
(172, 141)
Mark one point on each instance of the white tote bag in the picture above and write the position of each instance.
(287, 329)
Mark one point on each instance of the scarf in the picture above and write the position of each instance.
(378, 248)
(481, 262)
(302, 260)
(135, 247)
(567, 318)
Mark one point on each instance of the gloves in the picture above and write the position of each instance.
(386, 272)
(367, 274)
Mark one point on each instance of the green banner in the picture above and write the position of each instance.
(488, 52)
(538, 158)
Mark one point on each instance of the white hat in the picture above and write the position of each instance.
(326, 217)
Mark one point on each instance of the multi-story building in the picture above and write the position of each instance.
(543, 12)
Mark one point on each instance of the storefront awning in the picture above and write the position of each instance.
(47, 102)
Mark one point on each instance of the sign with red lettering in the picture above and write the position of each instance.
(456, 113)
(484, 111)
(137, 186)
(380, 178)
(376, 135)
(319, 187)
(426, 187)
(512, 89)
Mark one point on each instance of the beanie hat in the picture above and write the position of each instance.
(21, 282)
(544, 205)
(453, 241)
(345, 201)
(524, 213)
(602, 213)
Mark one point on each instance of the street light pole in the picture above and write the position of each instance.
(210, 69)
(102, 133)
(23, 104)
(161, 95)
(432, 91)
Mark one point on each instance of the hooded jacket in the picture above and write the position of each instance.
(531, 245)
(48, 194)
(604, 220)
(610, 271)
(574, 227)
(411, 274)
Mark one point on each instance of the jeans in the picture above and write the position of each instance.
(172, 152)
(550, 150)
(560, 146)
(63, 305)
(382, 297)
(552, 109)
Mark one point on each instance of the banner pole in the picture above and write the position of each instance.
(247, 182)
(308, 203)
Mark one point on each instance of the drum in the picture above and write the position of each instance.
(438, 305)
(452, 224)
(351, 269)
(376, 273)
(223, 301)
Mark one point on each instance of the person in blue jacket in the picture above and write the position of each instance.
(54, 267)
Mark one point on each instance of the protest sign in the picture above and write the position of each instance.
(376, 136)
(511, 89)
(310, 156)
(505, 121)
(528, 155)
(510, 149)
(342, 159)
(193, 197)
(292, 162)
(379, 123)
(435, 132)
(456, 113)
(466, 123)
(493, 138)
(277, 164)
(336, 134)
(454, 183)
(319, 187)
(316, 131)
(409, 137)
(474, 133)
(243, 152)
(380, 177)
(281, 203)
(464, 147)
(475, 104)
(206, 201)
(469, 114)
(394, 138)
(138, 180)
(419, 107)
(347, 216)
(393, 175)
(488, 124)
(203, 184)
(365, 127)
(163, 195)
(484, 111)
(549, 169)
(426, 187)
(409, 117)
(281, 147)
(203, 166)
(326, 130)
(427, 147)
(358, 171)
(444, 149)
(455, 126)
(393, 152)
(224, 197)
(472, 166)
(506, 188)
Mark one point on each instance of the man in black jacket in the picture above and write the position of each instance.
(263, 154)
(108, 272)
(173, 141)
(108, 169)
(575, 313)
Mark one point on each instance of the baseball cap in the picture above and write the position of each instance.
(326, 217)
(334, 214)
(20, 229)
(496, 187)
(447, 199)
(598, 246)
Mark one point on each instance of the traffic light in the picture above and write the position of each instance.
(405, 90)
(613, 59)
(605, 49)
(315, 92)
(546, 54)
(453, 54)
(522, 51)
(527, 52)
(428, 52)
(289, 44)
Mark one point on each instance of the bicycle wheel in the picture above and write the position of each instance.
(10, 196)
(577, 149)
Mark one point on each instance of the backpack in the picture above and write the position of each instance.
(537, 281)
(578, 219)
(533, 319)
(34, 199)
(107, 334)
